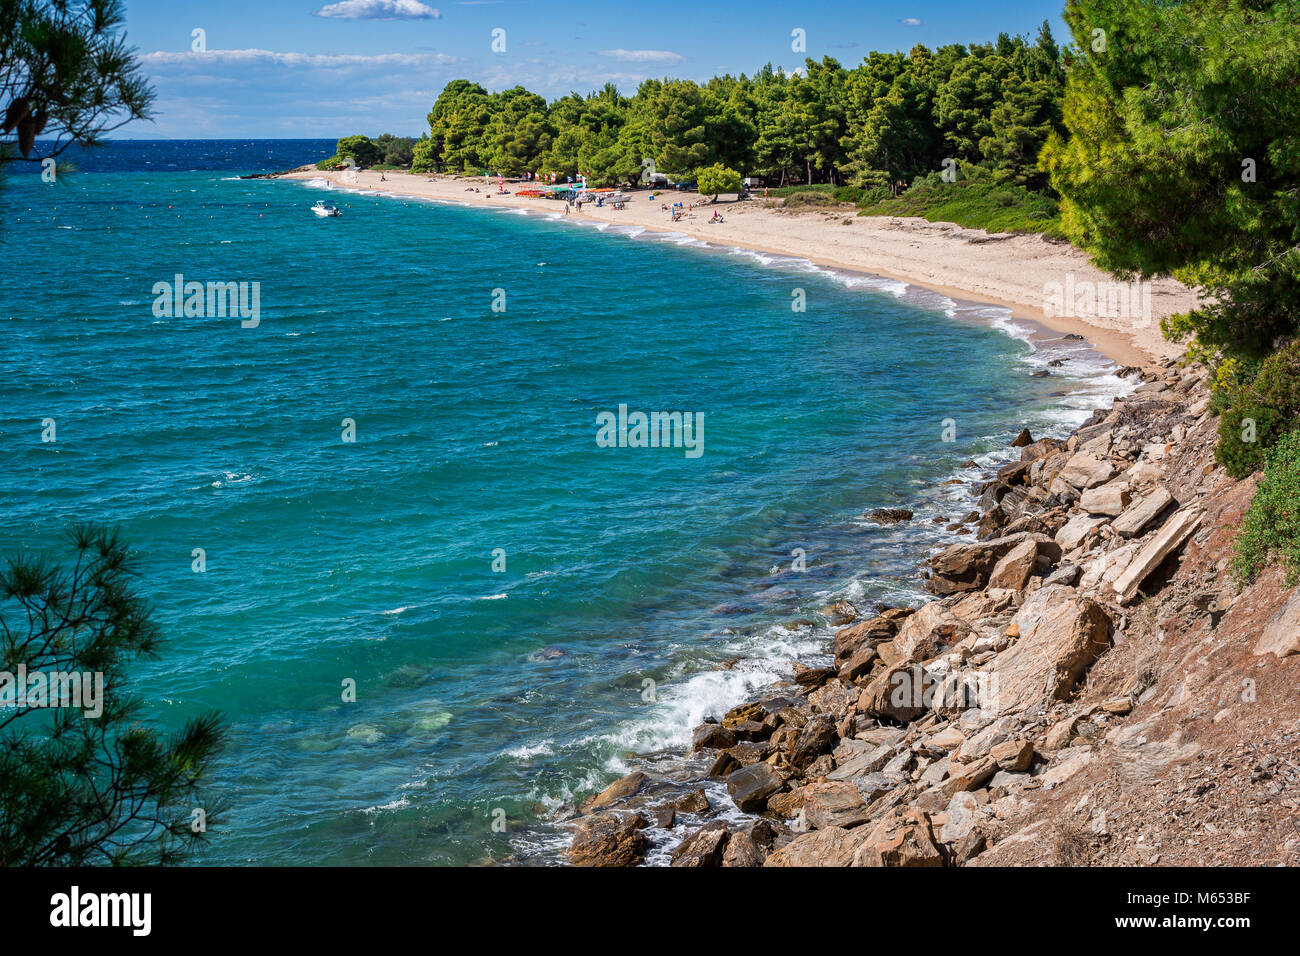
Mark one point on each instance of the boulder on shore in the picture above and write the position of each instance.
(704, 847)
(966, 567)
(1171, 536)
(751, 786)
(711, 736)
(833, 803)
(609, 839)
(619, 790)
(1061, 635)
(834, 846)
(902, 838)
(1141, 513)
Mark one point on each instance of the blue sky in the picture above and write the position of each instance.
(306, 68)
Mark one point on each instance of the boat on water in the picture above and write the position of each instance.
(323, 210)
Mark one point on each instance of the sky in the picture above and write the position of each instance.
(329, 68)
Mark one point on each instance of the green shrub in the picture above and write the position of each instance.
(808, 199)
(334, 162)
(1271, 529)
(1260, 413)
(848, 194)
(973, 201)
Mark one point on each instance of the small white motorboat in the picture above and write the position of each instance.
(323, 210)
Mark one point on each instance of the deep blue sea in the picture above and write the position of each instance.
(498, 585)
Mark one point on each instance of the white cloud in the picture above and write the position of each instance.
(309, 60)
(643, 56)
(910, 22)
(378, 10)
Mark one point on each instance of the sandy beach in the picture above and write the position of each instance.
(966, 264)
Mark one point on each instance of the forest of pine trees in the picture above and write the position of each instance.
(888, 120)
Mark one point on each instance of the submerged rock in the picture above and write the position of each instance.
(890, 515)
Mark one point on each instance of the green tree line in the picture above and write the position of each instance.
(891, 118)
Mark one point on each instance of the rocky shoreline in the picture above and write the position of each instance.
(962, 732)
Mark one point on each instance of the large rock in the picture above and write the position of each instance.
(815, 738)
(1016, 566)
(859, 664)
(617, 791)
(862, 764)
(1282, 634)
(696, 801)
(712, 737)
(743, 714)
(849, 640)
(970, 776)
(902, 838)
(1172, 536)
(609, 839)
(751, 786)
(1108, 499)
(923, 635)
(833, 804)
(1077, 530)
(742, 850)
(894, 694)
(963, 817)
(834, 846)
(704, 847)
(1041, 449)
(1014, 756)
(1085, 471)
(966, 567)
(1142, 512)
(1061, 635)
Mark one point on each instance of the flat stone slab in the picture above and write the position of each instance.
(1167, 540)
(1142, 512)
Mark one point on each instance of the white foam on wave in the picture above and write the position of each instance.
(676, 238)
(682, 703)
(398, 804)
(234, 478)
(525, 751)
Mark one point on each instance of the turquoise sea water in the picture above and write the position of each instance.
(477, 689)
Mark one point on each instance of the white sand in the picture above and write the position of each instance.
(1011, 270)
